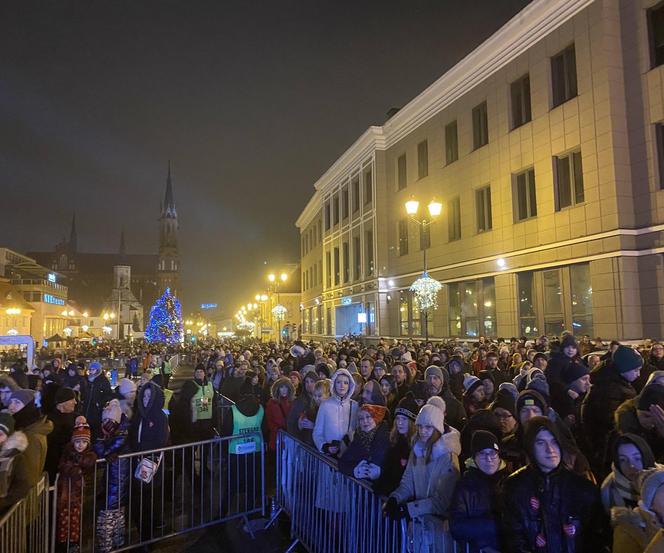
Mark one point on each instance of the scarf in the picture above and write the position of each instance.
(623, 493)
(366, 438)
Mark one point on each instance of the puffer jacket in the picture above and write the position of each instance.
(13, 482)
(337, 416)
(474, 512)
(636, 531)
(118, 469)
(427, 488)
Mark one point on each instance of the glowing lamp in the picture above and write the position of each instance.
(412, 206)
(435, 208)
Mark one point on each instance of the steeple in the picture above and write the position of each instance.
(123, 250)
(168, 207)
(73, 238)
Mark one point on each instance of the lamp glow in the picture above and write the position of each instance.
(435, 208)
(412, 206)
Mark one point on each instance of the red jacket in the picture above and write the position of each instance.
(276, 413)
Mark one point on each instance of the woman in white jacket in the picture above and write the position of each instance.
(337, 416)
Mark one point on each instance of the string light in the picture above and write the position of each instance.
(165, 323)
(426, 291)
(279, 311)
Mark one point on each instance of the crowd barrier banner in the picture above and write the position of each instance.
(24, 528)
(334, 513)
(141, 498)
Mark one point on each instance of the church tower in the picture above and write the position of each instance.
(168, 268)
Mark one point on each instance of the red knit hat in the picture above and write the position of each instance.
(81, 430)
(377, 412)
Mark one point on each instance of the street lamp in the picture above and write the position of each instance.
(425, 288)
(283, 277)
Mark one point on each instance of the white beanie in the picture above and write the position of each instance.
(432, 413)
(126, 386)
(406, 357)
(470, 382)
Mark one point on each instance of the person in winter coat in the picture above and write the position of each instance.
(631, 454)
(302, 415)
(195, 414)
(547, 507)
(398, 452)
(13, 443)
(436, 382)
(63, 418)
(72, 379)
(278, 408)
(642, 529)
(474, 513)
(389, 389)
(365, 455)
(431, 474)
(643, 416)
(337, 416)
(97, 393)
(610, 386)
(568, 353)
(126, 392)
(474, 397)
(36, 427)
(77, 460)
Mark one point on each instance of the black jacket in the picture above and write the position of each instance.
(394, 466)
(149, 427)
(63, 425)
(96, 395)
(474, 512)
(359, 450)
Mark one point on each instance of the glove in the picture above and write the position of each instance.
(391, 509)
(373, 471)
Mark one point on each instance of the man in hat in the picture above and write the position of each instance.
(95, 396)
(63, 417)
(436, 383)
(568, 393)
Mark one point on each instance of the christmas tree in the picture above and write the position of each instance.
(165, 323)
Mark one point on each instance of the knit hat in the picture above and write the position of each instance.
(81, 430)
(529, 398)
(486, 375)
(112, 411)
(406, 357)
(625, 359)
(307, 369)
(652, 394)
(380, 364)
(568, 340)
(482, 440)
(433, 414)
(407, 407)
(377, 412)
(649, 481)
(540, 385)
(470, 384)
(94, 366)
(539, 355)
(23, 395)
(6, 424)
(64, 394)
(126, 387)
(323, 368)
(433, 370)
(510, 387)
(573, 371)
(504, 400)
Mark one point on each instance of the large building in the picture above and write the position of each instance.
(545, 146)
(90, 276)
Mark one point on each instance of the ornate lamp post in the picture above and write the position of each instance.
(425, 288)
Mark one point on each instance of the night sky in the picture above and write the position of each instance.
(251, 100)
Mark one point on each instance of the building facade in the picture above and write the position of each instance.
(545, 146)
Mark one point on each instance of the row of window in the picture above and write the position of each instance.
(311, 237)
(313, 276)
(564, 87)
(568, 191)
(338, 272)
(349, 199)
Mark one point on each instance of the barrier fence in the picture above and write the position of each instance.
(141, 498)
(24, 527)
(331, 512)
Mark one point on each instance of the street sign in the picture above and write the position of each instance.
(266, 330)
(208, 305)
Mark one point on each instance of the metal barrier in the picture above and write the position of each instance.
(331, 512)
(24, 527)
(141, 498)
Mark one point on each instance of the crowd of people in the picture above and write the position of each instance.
(508, 445)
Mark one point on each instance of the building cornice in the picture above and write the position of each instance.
(309, 212)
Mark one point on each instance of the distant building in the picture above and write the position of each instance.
(90, 276)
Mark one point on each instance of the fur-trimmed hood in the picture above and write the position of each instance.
(450, 442)
(16, 443)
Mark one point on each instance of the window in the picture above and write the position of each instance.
(357, 259)
(355, 183)
(582, 299)
(425, 237)
(328, 267)
(314, 278)
(402, 175)
(554, 320)
(526, 304)
(471, 303)
(525, 200)
(483, 207)
(422, 159)
(520, 93)
(403, 237)
(328, 321)
(335, 209)
(336, 266)
(346, 254)
(454, 219)
(319, 319)
(327, 215)
(480, 126)
(563, 76)
(656, 24)
(368, 240)
(451, 143)
(320, 271)
(404, 314)
(368, 186)
(568, 175)
(344, 203)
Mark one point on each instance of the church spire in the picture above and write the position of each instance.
(73, 238)
(168, 207)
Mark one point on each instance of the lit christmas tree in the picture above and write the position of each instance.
(165, 323)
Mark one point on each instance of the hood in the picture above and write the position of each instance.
(532, 428)
(40, 426)
(17, 442)
(450, 442)
(605, 372)
(647, 455)
(155, 403)
(351, 389)
(278, 383)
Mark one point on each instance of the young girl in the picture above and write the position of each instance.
(277, 409)
(337, 416)
(77, 460)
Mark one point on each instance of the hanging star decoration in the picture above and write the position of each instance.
(426, 291)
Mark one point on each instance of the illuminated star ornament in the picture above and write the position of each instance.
(165, 325)
(426, 291)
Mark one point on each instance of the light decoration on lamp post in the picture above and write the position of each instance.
(279, 312)
(426, 291)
